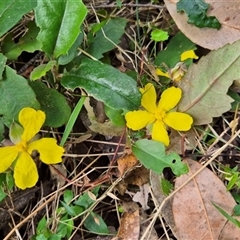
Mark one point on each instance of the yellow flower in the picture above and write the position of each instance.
(159, 72)
(178, 72)
(188, 54)
(25, 170)
(159, 114)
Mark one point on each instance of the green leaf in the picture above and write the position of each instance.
(11, 11)
(69, 56)
(172, 54)
(15, 94)
(236, 210)
(41, 70)
(3, 61)
(105, 83)
(62, 229)
(166, 186)
(72, 119)
(67, 196)
(206, 84)
(77, 210)
(70, 225)
(59, 23)
(95, 28)
(52, 103)
(226, 215)
(10, 180)
(1, 130)
(68, 208)
(42, 225)
(159, 35)
(107, 38)
(235, 96)
(233, 180)
(119, 3)
(2, 178)
(55, 237)
(27, 43)
(85, 200)
(152, 155)
(2, 194)
(236, 197)
(65, 227)
(196, 11)
(95, 224)
(41, 237)
(116, 116)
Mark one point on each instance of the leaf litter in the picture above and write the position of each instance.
(227, 14)
(217, 70)
(195, 199)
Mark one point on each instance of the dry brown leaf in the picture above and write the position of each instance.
(133, 174)
(137, 176)
(130, 222)
(194, 215)
(125, 163)
(142, 196)
(227, 12)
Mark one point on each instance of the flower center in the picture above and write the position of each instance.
(160, 115)
(22, 146)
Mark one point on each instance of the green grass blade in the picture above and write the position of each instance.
(72, 120)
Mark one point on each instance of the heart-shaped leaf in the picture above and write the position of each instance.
(152, 155)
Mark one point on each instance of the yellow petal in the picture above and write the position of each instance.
(31, 121)
(188, 54)
(149, 98)
(137, 120)
(178, 121)
(159, 72)
(50, 152)
(170, 98)
(159, 133)
(7, 157)
(25, 171)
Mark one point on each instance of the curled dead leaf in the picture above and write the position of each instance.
(125, 163)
